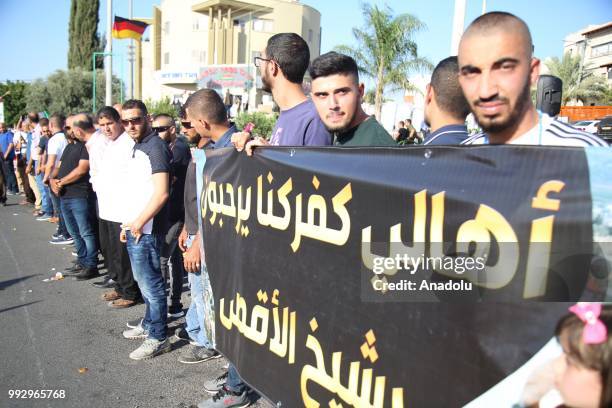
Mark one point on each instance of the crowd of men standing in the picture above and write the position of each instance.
(123, 186)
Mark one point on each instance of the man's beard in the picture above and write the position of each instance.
(340, 128)
(265, 85)
(515, 115)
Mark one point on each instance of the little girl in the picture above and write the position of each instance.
(583, 374)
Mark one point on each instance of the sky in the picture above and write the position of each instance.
(34, 33)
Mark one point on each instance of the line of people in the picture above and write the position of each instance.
(130, 189)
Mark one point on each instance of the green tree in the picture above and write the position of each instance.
(164, 106)
(386, 51)
(577, 83)
(14, 100)
(69, 92)
(264, 123)
(83, 34)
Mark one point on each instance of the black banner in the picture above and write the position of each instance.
(394, 277)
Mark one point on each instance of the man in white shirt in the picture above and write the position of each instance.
(496, 72)
(108, 182)
(55, 148)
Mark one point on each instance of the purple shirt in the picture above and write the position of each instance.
(300, 126)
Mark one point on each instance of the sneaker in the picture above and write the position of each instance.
(181, 334)
(106, 283)
(134, 323)
(137, 332)
(56, 235)
(74, 254)
(216, 384)
(75, 270)
(226, 399)
(151, 348)
(43, 217)
(175, 312)
(61, 240)
(198, 354)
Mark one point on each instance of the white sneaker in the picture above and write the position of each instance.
(136, 333)
(151, 348)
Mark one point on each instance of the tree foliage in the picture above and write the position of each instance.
(69, 92)
(578, 84)
(264, 123)
(83, 34)
(14, 101)
(164, 106)
(386, 51)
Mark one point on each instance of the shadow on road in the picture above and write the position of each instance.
(5, 284)
(17, 307)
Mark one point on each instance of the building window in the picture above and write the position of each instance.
(166, 58)
(262, 25)
(601, 50)
(310, 36)
(200, 23)
(198, 57)
(167, 27)
(610, 73)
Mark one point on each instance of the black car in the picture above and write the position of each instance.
(604, 129)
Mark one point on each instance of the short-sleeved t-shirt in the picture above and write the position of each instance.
(56, 145)
(6, 139)
(42, 144)
(150, 156)
(300, 126)
(367, 133)
(190, 200)
(72, 155)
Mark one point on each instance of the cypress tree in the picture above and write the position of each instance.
(83, 33)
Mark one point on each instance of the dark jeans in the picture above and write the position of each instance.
(79, 217)
(118, 260)
(61, 225)
(11, 179)
(2, 181)
(170, 253)
(144, 257)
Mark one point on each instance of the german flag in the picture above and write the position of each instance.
(124, 28)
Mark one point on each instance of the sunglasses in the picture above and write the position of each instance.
(67, 127)
(133, 121)
(159, 129)
(186, 125)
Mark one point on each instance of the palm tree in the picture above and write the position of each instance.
(386, 51)
(577, 83)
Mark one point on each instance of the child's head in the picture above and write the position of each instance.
(584, 371)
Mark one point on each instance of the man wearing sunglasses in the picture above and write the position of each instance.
(164, 126)
(145, 215)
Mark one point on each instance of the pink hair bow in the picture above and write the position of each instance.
(594, 332)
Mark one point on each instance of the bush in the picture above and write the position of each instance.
(164, 106)
(264, 123)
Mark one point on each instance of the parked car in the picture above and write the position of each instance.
(587, 125)
(604, 129)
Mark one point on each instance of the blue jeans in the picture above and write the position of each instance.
(77, 214)
(47, 205)
(196, 312)
(234, 383)
(57, 209)
(11, 179)
(144, 257)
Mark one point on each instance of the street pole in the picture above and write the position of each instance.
(108, 63)
(131, 59)
(458, 22)
(484, 6)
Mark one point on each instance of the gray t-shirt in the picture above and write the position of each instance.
(190, 200)
(300, 126)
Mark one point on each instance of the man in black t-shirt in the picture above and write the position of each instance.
(164, 126)
(70, 181)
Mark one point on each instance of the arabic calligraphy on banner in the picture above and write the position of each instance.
(304, 248)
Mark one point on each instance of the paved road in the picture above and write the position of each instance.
(52, 330)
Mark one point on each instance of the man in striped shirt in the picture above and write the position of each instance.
(496, 72)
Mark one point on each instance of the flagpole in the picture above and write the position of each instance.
(131, 59)
(108, 63)
(458, 22)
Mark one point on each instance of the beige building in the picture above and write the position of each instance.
(594, 45)
(194, 44)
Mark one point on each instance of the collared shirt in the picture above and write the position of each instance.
(226, 139)
(149, 156)
(447, 135)
(95, 147)
(112, 176)
(547, 132)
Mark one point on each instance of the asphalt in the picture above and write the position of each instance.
(60, 335)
